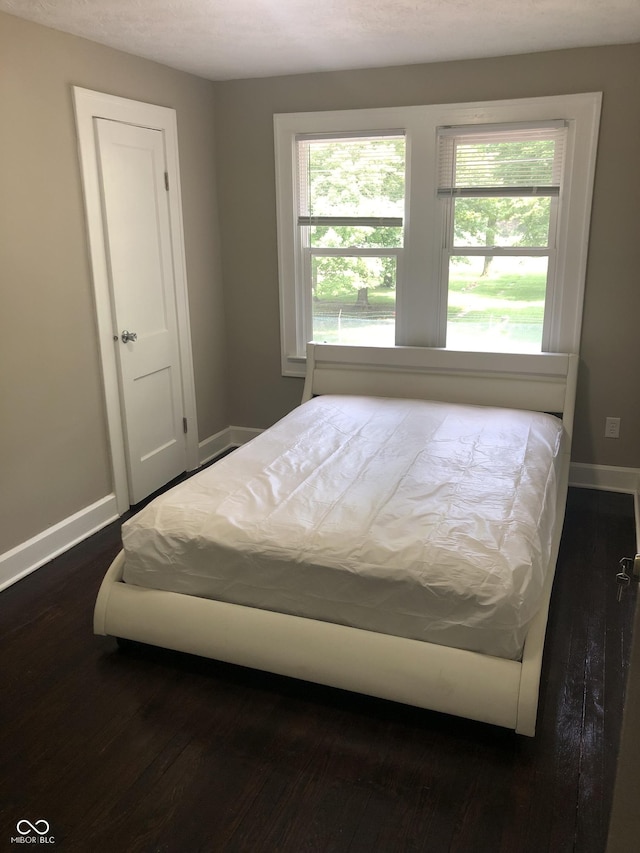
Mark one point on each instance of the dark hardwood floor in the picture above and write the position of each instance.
(150, 750)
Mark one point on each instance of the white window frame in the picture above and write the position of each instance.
(421, 302)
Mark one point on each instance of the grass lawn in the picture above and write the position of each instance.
(502, 311)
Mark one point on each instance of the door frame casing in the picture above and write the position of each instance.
(90, 105)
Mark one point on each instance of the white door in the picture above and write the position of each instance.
(139, 258)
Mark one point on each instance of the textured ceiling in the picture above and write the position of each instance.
(228, 39)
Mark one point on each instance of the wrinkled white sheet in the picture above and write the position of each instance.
(421, 519)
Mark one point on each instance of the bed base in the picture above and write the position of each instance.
(453, 681)
(468, 684)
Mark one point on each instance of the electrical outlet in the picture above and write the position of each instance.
(612, 428)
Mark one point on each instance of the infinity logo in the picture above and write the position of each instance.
(41, 827)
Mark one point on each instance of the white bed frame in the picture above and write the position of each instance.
(453, 681)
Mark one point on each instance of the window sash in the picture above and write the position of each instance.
(479, 176)
(307, 254)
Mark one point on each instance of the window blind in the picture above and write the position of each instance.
(346, 179)
(501, 160)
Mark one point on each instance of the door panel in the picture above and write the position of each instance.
(138, 241)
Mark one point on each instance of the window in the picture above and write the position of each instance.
(351, 195)
(458, 226)
(499, 188)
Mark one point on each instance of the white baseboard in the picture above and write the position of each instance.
(608, 478)
(35, 552)
(214, 445)
(241, 435)
(224, 440)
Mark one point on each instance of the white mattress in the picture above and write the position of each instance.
(426, 520)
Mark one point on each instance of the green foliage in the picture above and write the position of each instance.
(334, 277)
(355, 177)
(515, 222)
(505, 221)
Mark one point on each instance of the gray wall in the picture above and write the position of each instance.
(610, 349)
(53, 450)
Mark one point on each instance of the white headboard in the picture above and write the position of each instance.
(543, 382)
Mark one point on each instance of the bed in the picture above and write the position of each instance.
(396, 535)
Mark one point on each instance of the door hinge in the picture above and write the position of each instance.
(184, 425)
(166, 181)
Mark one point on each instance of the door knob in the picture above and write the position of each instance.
(128, 336)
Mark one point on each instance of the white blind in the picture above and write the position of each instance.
(501, 160)
(344, 180)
